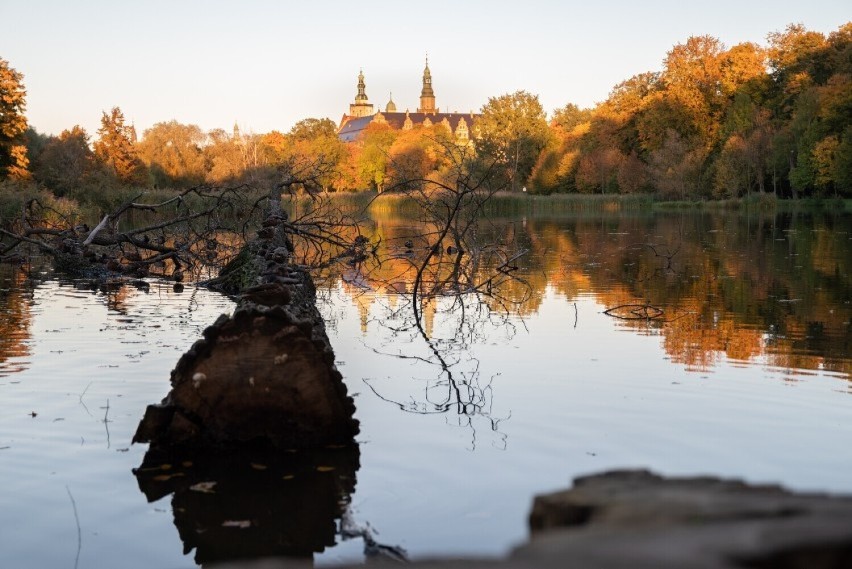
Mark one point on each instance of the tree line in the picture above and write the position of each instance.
(716, 122)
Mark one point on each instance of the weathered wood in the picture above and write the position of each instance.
(264, 375)
(640, 519)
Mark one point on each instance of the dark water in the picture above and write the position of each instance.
(743, 369)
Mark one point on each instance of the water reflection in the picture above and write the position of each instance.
(15, 319)
(451, 379)
(251, 504)
(769, 289)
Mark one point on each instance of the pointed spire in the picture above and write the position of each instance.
(427, 95)
(427, 81)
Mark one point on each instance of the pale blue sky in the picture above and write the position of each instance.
(266, 64)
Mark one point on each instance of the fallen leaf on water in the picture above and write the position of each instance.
(285, 477)
(122, 449)
(242, 524)
(186, 463)
(164, 477)
(324, 468)
(206, 487)
(257, 466)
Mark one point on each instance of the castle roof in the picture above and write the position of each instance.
(352, 127)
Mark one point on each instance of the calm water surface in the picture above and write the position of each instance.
(746, 373)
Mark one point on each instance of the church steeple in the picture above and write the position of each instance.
(361, 107)
(427, 95)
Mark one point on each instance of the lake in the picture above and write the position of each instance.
(685, 342)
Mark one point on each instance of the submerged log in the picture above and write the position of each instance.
(264, 375)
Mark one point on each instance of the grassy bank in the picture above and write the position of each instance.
(509, 204)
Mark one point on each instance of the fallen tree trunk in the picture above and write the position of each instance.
(264, 375)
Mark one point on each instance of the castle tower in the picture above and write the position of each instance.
(391, 106)
(427, 95)
(361, 107)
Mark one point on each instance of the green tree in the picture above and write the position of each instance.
(172, 152)
(843, 164)
(310, 129)
(13, 124)
(65, 162)
(116, 150)
(511, 133)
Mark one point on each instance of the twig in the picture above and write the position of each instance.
(106, 426)
(79, 532)
(635, 312)
(81, 399)
(575, 315)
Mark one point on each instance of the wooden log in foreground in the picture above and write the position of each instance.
(264, 375)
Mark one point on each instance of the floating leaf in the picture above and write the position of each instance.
(324, 468)
(164, 477)
(257, 466)
(242, 524)
(186, 463)
(288, 477)
(206, 487)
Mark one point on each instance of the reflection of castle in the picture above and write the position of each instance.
(361, 114)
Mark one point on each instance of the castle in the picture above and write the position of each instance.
(361, 114)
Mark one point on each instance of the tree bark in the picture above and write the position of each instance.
(266, 374)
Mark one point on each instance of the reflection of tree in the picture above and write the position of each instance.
(14, 318)
(253, 504)
(447, 269)
(455, 386)
(732, 285)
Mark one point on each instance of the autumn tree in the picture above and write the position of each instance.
(172, 152)
(675, 167)
(569, 117)
(13, 124)
(116, 149)
(511, 133)
(371, 160)
(223, 156)
(313, 142)
(421, 155)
